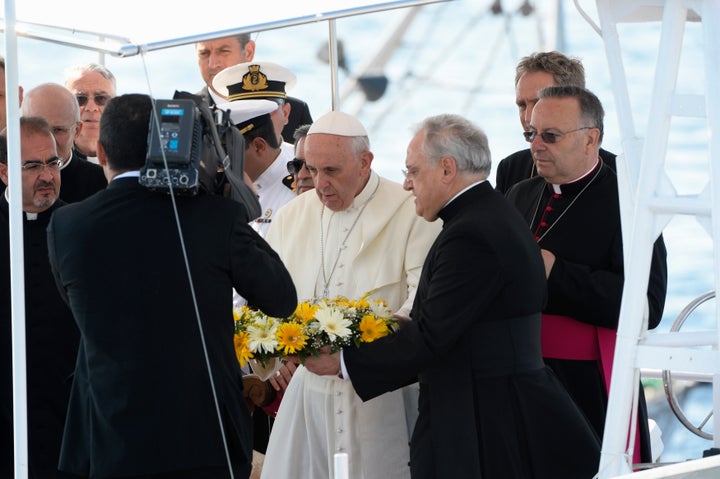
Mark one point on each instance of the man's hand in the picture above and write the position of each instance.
(282, 377)
(549, 260)
(402, 320)
(324, 365)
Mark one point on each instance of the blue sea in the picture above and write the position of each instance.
(459, 57)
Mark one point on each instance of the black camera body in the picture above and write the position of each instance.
(193, 147)
(175, 137)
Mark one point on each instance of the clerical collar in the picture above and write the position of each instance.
(472, 185)
(364, 196)
(577, 184)
(67, 162)
(29, 216)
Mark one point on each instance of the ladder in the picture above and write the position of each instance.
(649, 201)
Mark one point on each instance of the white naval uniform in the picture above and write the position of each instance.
(272, 192)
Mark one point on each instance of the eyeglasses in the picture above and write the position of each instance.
(99, 100)
(295, 165)
(53, 164)
(410, 173)
(549, 137)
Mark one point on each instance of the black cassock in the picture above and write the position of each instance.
(51, 343)
(580, 224)
(488, 408)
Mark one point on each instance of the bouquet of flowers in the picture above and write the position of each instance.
(336, 323)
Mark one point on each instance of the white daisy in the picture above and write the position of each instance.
(262, 336)
(332, 322)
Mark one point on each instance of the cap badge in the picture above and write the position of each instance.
(254, 79)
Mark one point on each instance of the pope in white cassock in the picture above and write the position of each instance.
(357, 232)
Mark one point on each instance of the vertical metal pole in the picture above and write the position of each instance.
(615, 459)
(17, 273)
(333, 60)
(711, 35)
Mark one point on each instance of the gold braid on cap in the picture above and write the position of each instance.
(247, 128)
(256, 95)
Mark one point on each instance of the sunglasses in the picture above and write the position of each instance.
(53, 164)
(295, 165)
(549, 137)
(100, 100)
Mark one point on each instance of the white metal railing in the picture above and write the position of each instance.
(648, 202)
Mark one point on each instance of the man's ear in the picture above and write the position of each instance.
(78, 129)
(592, 140)
(366, 158)
(101, 155)
(258, 144)
(448, 165)
(4, 173)
(249, 51)
(286, 111)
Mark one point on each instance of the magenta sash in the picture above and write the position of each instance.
(566, 338)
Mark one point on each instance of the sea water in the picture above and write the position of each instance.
(460, 58)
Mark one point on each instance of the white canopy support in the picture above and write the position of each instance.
(648, 202)
(17, 265)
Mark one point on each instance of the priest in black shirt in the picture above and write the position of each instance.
(573, 210)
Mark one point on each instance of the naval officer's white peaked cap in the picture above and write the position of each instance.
(338, 123)
(254, 80)
(243, 112)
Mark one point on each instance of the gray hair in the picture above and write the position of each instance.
(453, 135)
(78, 70)
(591, 110)
(565, 70)
(359, 144)
(300, 132)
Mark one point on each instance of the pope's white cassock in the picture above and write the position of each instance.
(379, 244)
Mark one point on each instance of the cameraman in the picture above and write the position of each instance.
(142, 404)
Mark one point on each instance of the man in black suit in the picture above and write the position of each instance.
(51, 336)
(216, 55)
(488, 405)
(533, 73)
(57, 104)
(155, 317)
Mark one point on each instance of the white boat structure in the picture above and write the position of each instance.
(648, 198)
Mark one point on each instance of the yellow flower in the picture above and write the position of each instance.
(372, 328)
(361, 303)
(242, 349)
(290, 338)
(305, 311)
(341, 302)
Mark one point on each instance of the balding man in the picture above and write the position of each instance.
(59, 107)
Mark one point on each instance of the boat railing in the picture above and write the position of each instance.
(649, 201)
